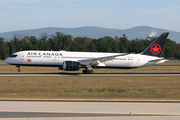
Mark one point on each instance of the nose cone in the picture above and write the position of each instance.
(7, 60)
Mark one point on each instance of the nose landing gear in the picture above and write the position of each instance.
(19, 70)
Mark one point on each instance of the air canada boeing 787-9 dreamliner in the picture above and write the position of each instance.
(73, 61)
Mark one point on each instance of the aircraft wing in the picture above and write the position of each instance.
(100, 59)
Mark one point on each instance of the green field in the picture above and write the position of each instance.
(119, 88)
(91, 88)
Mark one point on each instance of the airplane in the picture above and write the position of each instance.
(73, 61)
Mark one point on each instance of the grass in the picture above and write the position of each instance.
(96, 88)
(118, 88)
(165, 67)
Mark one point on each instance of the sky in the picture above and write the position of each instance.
(118, 14)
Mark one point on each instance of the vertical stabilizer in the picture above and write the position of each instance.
(156, 47)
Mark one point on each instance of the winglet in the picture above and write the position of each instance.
(156, 47)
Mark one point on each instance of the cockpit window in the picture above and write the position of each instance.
(13, 56)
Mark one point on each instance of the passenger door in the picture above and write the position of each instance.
(22, 57)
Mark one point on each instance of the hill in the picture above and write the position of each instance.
(97, 32)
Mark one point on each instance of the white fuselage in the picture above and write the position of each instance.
(56, 58)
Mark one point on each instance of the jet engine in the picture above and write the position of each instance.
(71, 66)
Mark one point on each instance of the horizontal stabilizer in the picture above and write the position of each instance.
(157, 60)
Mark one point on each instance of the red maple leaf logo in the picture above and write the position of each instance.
(155, 49)
(29, 60)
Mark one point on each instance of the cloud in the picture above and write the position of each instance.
(153, 33)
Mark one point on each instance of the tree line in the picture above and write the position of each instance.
(60, 41)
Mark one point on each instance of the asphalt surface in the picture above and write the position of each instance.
(32, 110)
(81, 74)
(52, 115)
(41, 114)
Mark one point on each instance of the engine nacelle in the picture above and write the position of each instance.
(71, 66)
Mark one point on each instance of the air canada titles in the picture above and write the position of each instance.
(44, 54)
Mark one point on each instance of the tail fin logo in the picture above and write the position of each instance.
(155, 49)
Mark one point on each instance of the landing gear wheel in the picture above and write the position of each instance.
(19, 70)
(84, 71)
(91, 72)
(88, 72)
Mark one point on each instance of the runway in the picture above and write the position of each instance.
(33, 110)
(81, 74)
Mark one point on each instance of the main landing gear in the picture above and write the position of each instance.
(19, 70)
(88, 71)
